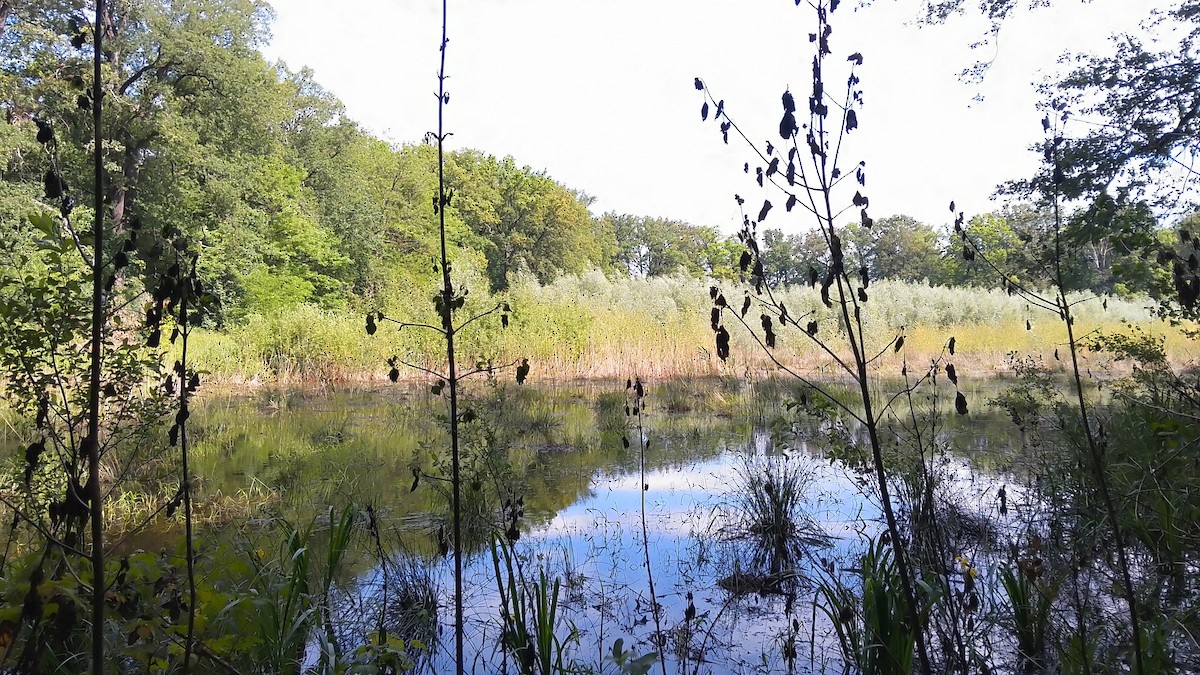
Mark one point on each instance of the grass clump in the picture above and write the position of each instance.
(874, 633)
(768, 512)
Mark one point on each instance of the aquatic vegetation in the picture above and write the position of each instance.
(870, 618)
(1031, 597)
(410, 611)
(767, 512)
(529, 613)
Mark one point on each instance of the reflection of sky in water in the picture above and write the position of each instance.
(606, 591)
(597, 540)
(596, 546)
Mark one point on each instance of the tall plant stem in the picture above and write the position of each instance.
(940, 546)
(857, 346)
(186, 484)
(448, 330)
(94, 493)
(1094, 450)
(825, 211)
(659, 638)
(914, 618)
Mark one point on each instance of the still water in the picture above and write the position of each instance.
(599, 517)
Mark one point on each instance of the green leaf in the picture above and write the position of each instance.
(44, 222)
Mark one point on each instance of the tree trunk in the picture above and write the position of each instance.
(5, 10)
(124, 190)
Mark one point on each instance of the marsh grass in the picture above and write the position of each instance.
(411, 609)
(874, 634)
(767, 512)
(1031, 600)
(721, 396)
(610, 412)
(592, 327)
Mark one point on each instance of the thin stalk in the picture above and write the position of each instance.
(373, 521)
(858, 347)
(186, 484)
(1081, 619)
(872, 424)
(452, 379)
(1093, 445)
(92, 448)
(659, 638)
(12, 532)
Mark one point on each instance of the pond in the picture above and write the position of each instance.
(607, 522)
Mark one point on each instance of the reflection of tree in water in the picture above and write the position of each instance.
(555, 449)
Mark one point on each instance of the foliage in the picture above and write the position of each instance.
(651, 247)
(874, 632)
(1032, 599)
(529, 614)
(628, 662)
(525, 220)
(898, 248)
(594, 326)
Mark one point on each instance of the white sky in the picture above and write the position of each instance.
(599, 93)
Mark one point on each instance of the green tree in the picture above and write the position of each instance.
(787, 259)
(991, 235)
(158, 61)
(523, 219)
(296, 258)
(898, 247)
(718, 254)
(1140, 100)
(1116, 244)
(649, 247)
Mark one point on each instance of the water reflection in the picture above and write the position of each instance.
(583, 495)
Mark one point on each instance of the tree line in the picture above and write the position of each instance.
(1109, 248)
(291, 201)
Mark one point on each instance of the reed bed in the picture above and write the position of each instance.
(590, 326)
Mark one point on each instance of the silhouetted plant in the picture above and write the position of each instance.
(447, 304)
(73, 363)
(635, 394)
(811, 173)
(1050, 187)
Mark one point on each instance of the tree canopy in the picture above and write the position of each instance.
(293, 202)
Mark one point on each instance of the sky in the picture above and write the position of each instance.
(600, 93)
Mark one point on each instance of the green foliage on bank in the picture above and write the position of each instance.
(292, 204)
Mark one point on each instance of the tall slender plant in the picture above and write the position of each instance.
(637, 390)
(68, 361)
(447, 303)
(1095, 451)
(810, 170)
(1050, 186)
(188, 303)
